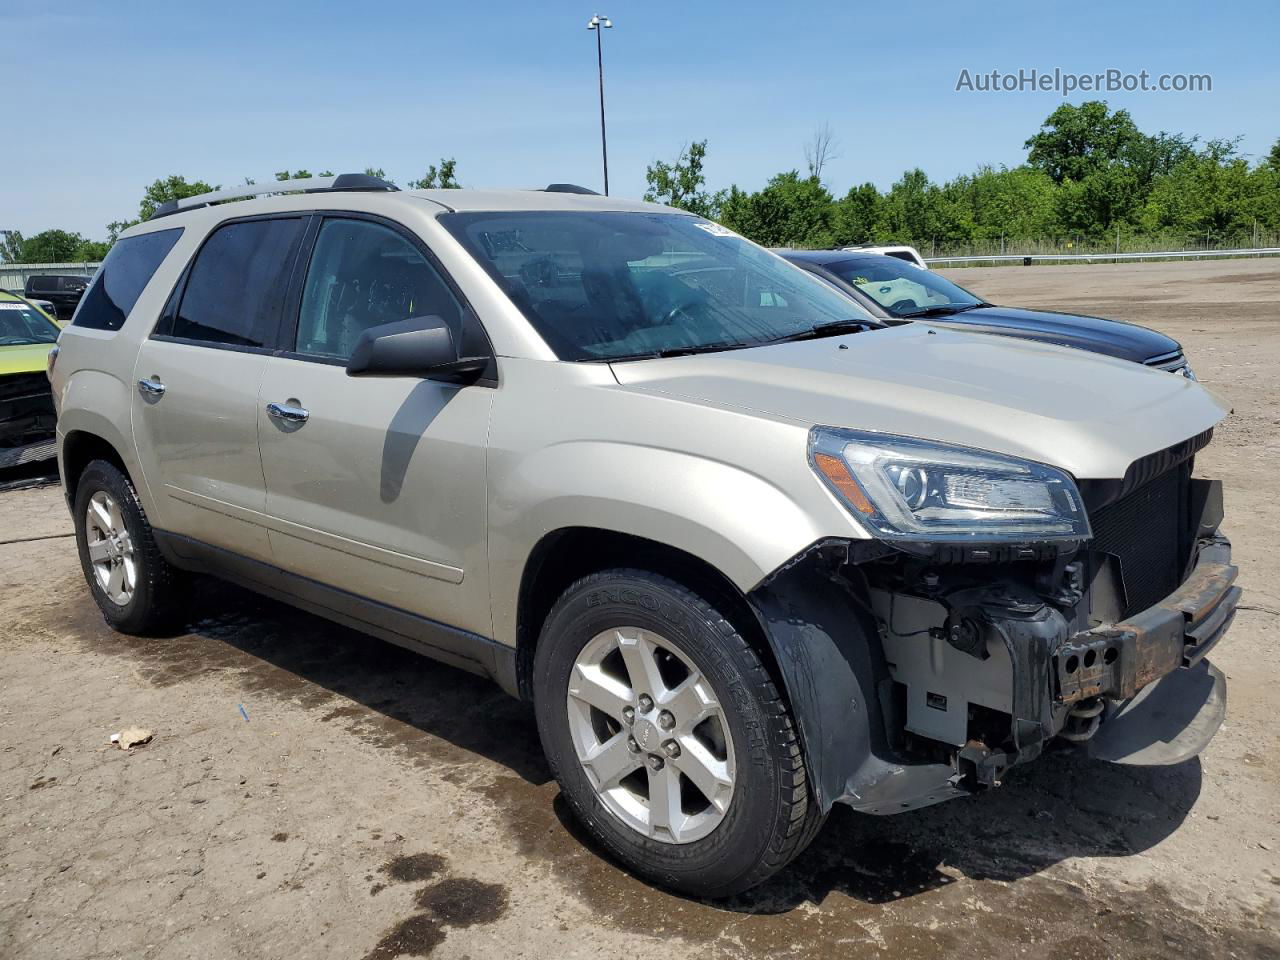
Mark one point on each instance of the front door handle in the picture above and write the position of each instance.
(287, 412)
(151, 388)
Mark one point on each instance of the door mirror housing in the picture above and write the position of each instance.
(417, 347)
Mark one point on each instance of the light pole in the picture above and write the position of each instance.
(599, 24)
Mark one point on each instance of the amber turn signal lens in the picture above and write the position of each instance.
(837, 474)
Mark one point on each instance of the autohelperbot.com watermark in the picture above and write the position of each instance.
(1066, 82)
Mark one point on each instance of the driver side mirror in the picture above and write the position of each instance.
(417, 347)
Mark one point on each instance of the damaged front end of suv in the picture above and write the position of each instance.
(999, 605)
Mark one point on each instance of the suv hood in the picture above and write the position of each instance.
(1128, 341)
(1089, 414)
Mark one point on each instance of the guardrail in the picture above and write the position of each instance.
(1028, 259)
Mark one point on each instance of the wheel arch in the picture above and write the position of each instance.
(563, 556)
(78, 449)
(812, 634)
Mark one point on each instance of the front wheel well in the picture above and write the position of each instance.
(79, 449)
(564, 556)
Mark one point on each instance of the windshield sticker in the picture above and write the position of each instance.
(715, 229)
(13, 306)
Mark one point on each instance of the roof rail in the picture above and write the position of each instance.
(343, 181)
(569, 188)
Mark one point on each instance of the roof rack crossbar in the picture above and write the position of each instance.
(343, 181)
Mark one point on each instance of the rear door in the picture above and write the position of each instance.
(197, 378)
(376, 485)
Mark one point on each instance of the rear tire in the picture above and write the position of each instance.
(741, 808)
(137, 590)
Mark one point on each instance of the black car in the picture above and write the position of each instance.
(63, 290)
(897, 292)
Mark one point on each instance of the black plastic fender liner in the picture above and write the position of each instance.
(832, 665)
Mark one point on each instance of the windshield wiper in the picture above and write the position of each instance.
(833, 329)
(942, 310)
(678, 351)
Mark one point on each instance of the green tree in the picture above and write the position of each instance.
(1150, 157)
(1074, 142)
(791, 211)
(92, 251)
(1003, 203)
(679, 184)
(159, 192)
(911, 210)
(1213, 192)
(170, 188)
(443, 177)
(50, 246)
(856, 215)
(1095, 205)
(379, 173)
(301, 174)
(10, 246)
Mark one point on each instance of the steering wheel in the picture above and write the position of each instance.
(904, 304)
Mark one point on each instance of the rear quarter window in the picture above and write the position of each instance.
(235, 287)
(122, 277)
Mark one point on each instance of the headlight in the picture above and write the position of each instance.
(1187, 372)
(909, 489)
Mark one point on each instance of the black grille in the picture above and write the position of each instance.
(1143, 530)
(23, 385)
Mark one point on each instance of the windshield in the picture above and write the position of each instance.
(21, 325)
(901, 288)
(612, 285)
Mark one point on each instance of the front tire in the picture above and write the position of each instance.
(136, 589)
(668, 736)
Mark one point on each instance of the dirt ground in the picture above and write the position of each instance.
(314, 793)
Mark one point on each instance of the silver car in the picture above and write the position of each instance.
(748, 553)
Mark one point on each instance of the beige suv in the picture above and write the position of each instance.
(748, 552)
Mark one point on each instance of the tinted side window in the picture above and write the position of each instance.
(122, 277)
(237, 283)
(363, 275)
(39, 284)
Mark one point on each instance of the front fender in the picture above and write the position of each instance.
(737, 522)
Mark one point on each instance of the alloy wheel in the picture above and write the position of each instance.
(110, 548)
(651, 735)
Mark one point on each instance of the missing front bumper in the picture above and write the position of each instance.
(1119, 660)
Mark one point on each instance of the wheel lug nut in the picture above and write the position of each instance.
(629, 715)
(632, 745)
(665, 720)
(646, 703)
(672, 749)
(655, 762)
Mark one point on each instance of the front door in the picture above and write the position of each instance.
(376, 485)
(196, 386)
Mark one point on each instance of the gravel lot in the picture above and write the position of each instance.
(366, 803)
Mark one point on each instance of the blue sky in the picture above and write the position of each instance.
(105, 97)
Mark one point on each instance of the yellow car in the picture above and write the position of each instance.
(27, 418)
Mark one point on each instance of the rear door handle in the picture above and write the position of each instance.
(151, 388)
(287, 412)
